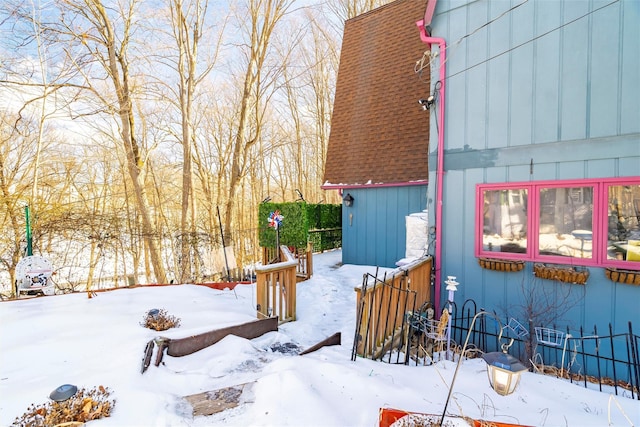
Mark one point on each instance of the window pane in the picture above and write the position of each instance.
(505, 221)
(624, 216)
(566, 222)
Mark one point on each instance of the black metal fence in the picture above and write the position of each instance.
(385, 312)
(600, 360)
(326, 238)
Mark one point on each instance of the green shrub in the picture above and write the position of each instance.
(298, 220)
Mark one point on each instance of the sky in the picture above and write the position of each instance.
(47, 342)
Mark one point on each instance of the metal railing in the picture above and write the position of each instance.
(606, 361)
(382, 304)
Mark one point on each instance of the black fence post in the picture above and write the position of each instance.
(613, 360)
(635, 363)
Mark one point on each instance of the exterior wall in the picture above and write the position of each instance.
(555, 101)
(373, 229)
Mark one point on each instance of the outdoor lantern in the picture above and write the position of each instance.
(503, 371)
(348, 200)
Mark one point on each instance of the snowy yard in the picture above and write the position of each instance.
(72, 339)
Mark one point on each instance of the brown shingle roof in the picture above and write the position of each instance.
(379, 132)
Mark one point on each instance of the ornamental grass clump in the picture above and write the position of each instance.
(85, 405)
(160, 320)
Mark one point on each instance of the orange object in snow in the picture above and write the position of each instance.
(388, 416)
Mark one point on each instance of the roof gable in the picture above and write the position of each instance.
(379, 132)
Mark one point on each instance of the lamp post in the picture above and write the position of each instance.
(452, 287)
(503, 369)
(29, 238)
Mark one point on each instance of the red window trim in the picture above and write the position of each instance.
(600, 218)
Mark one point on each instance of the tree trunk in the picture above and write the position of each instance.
(119, 73)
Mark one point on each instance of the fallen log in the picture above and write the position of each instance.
(250, 330)
(334, 339)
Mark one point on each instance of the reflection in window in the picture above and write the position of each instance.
(623, 223)
(566, 222)
(505, 221)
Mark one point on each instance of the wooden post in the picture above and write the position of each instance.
(276, 287)
(261, 295)
(309, 254)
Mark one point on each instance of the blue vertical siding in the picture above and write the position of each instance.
(546, 95)
(628, 68)
(604, 106)
(556, 82)
(377, 233)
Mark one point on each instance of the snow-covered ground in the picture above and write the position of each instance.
(72, 339)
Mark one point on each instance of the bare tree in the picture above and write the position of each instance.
(16, 151)
(89, 27)
(188, 25)
(258, 25)
(321, 58)
(256, 128)
(34, 82)
(347, 9)
(544, 305)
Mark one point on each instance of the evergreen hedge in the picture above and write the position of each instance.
(298, 220)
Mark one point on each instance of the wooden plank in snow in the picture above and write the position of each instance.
(212, 402)
(334, 339)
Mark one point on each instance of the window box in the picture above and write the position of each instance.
(565, 274)
(623, 276)
(501, 264)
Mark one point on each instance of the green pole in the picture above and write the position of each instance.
(29, 238)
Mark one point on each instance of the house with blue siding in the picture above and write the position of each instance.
(536, 163)
(533, 168)
(378, 147)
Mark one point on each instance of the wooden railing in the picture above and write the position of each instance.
(304, 256)
(383, 305)
(276, 288)
(304, 270)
